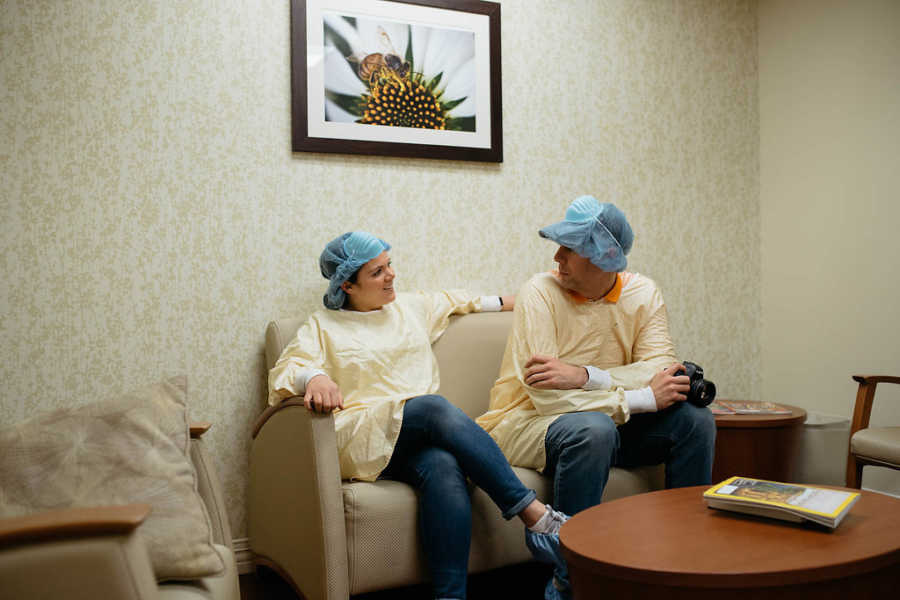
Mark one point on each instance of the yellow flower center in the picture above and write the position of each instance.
(402, 103)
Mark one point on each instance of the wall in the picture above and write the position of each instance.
(155, 219)
(829, 94)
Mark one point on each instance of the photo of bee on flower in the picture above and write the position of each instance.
(398, 74)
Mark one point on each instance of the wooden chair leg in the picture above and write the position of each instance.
(854, 473)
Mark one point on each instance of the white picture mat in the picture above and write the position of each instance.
(318, 127)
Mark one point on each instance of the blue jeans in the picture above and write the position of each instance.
(439, 446)
(581, 447)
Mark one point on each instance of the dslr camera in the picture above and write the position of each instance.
(703, 391)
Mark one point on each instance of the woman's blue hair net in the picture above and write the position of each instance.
(596, 231)
(342, 257)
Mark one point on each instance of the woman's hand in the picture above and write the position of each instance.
(509, 302)
(322, 395)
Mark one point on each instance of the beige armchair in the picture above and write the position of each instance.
(331, 538)
(91, 553)
(878, 446)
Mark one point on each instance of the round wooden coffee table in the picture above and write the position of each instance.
(668, 544)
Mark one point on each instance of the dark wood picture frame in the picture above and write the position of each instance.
(453, 146)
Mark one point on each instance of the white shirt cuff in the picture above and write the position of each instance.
(640, 401)
(598, 379)
(490, 304)
(302, 378)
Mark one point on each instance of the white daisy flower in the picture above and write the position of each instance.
(397, 74)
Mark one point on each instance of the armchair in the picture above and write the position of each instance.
(89, 553)
(879, 446)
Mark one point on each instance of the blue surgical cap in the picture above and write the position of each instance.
(596, 231)
(342, 257)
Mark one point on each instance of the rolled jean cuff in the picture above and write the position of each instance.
(520, 505)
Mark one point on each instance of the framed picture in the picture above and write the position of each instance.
(412, 78)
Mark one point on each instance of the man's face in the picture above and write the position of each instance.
(576, 273)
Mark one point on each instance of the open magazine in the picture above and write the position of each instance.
(737, 407)
(787, 501)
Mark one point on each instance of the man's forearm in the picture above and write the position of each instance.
(558, 402)
(639, 400)
(638, 374)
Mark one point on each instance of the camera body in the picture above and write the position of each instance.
(703, 391)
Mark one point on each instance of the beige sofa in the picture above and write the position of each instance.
(331, 538)
(92, 553)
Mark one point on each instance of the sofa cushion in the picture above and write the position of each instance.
(879, 443)
(373, 513)
(129, 449)
(387, 510)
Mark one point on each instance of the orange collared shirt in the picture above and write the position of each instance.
(612, 295)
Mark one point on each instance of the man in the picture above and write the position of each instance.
(588, 377)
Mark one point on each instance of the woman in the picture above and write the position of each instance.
(369, 357)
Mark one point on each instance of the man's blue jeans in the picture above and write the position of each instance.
(581, 448)
(439, 446)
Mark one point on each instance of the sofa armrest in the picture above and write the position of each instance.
(296, 508)
(210, 489)
(77, 554)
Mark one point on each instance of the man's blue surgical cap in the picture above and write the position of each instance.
(596, 231)
(342, 257)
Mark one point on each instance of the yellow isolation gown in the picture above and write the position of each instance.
(379, 359)
(625, 333)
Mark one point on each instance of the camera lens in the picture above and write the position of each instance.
(707, 393)
(702, 391)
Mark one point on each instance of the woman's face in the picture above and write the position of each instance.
(374, 285)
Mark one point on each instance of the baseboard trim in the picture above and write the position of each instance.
(243, 556)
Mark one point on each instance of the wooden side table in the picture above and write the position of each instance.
(760, 446)
(669, 545)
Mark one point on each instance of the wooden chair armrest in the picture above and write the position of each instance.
(198, 428)
(72, 522)
(867, 379)
(862, 409)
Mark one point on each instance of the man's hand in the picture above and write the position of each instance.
(322, 395)
(548, 373)
(669, 389)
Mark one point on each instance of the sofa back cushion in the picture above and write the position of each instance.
(279, 334)
(469, 356)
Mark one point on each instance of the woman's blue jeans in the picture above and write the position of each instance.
(439, 446)
(581, 447)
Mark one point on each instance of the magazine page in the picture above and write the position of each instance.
(759, 510)
(798, 498)
(718, 407)
(738, 407)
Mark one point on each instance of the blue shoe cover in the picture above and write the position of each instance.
(546, 548)
(558, 587)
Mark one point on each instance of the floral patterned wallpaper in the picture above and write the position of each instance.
(154, 218)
